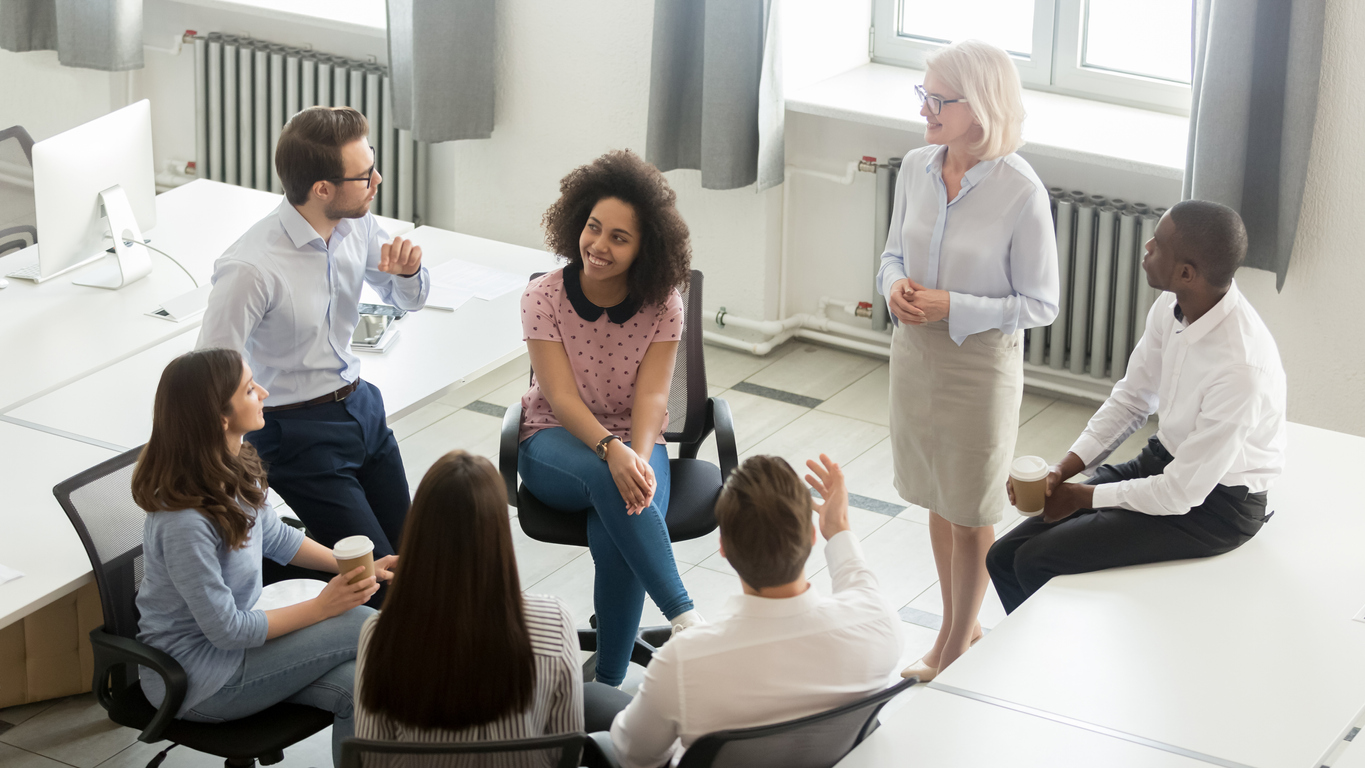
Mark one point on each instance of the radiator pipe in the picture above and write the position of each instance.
(1104, 276)
(1080, 284)
(1066, 222)
(215, 108)
(201, 108)
(230, 91)
(277, 113)
(246, 147)
(1123, 294)
(264, 149)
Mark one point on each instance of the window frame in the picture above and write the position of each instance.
(1055, 66)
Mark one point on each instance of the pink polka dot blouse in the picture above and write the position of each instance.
(605, 354)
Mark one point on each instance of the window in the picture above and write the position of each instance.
(1126, 52)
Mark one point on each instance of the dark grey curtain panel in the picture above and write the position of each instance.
(441, 68)
(93, 34)
(715, 91)
(1254, 103)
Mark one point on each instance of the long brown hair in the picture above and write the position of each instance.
(186, 463)
(451, 649)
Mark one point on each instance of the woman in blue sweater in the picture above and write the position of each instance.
(208, 528)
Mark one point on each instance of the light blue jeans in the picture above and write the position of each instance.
(314, 666)
(632, 552)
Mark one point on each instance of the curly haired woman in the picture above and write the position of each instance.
(602, 334)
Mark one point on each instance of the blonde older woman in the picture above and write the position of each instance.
(970, 262)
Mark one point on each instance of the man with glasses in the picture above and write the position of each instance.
(286, 296)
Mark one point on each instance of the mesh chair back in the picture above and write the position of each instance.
(687, 393)
(817, 741)
(99, 503)
(545, 752)
(18, 216)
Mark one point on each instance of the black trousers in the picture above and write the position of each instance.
(1027, 557)
(337, 466)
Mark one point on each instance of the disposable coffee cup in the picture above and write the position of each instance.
(1029, 478)
(353, 552)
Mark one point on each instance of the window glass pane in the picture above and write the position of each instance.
(1151, 38)
(1006, 23)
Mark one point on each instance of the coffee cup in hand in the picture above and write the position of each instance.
(1028, 476)
(353, 552)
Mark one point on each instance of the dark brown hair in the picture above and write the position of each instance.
(451, 649)
(664, 261)
(1212, 238)
(186, 463)
(765, 522)
(310, 145)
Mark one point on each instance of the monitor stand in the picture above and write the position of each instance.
(131, 261)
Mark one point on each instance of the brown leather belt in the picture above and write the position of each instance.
(330, 397)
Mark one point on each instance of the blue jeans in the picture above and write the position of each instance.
(314, 666)
(632, 552)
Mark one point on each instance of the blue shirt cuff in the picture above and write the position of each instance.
(968, 314)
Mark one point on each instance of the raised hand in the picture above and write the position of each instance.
(400, 257)
(828, 481)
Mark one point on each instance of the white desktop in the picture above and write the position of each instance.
(94, 186)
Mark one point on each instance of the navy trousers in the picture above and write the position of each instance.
(337, 466)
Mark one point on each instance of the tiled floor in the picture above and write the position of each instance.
(799, 400)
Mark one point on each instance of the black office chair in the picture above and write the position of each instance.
(99, 503)
(560, 751)
(815, 741)
(695, 485)
(18, 219)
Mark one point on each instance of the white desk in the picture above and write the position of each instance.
(38, 539)
(1251, 657)
(934, 729)
(1353, 756)
(59, 331)
(435, 350)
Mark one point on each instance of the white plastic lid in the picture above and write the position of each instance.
(1029, 469)
(352, 547)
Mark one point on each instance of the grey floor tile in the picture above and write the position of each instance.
(710, 591)
(538, 559)
(13, 757)
(508, 394)
(18, 714)
(756, 418)
(841, 438)
(694, 551)
(992, 612)
(571, 583)
(1032, 405)
(815, 371)
(1053, 430)
(518, 369)
(474, 432)
(867, 398)
(727, 367)
(75, 731)
(420, 419)
(872, 474)
(900, 554)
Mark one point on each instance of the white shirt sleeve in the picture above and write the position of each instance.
(409, 293)
(1230, 410)
(1033, 275)
(1133, 399)
(645, 732)
(237, 302)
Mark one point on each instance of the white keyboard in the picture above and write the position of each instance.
(31, 272)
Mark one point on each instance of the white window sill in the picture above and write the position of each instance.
(1091, 132)
(363, 17)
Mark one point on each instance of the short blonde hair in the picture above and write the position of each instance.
(987, 79)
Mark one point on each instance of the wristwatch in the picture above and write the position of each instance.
(602, 446)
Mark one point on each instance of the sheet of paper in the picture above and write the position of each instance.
(446, 297)
(482, 282)
(1360, 615)
(9, 574)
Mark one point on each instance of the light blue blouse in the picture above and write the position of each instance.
(993, 247)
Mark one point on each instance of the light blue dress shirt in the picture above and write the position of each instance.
(288, 301)
(197, 599)
(993, 247)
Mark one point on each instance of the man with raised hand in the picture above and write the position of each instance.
(1209, 368)
(286, 296)
(784, 651)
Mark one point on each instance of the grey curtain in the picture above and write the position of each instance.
(441, 68)
(715, 91)
(94, 34)
(1255, 96)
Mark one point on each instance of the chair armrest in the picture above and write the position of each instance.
(718, 412)
(507, 450)
(599, 752)
(111, 651)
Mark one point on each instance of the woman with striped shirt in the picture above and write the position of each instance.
(459, 654)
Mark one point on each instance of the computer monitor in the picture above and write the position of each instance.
(94, 187)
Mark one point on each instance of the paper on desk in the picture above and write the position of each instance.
(447, 298)
(9, 574)
(1360, 615)
(482, 282)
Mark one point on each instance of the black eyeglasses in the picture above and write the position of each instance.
(935, 102)
(368, 178)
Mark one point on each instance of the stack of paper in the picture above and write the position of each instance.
(9, 574)
(476, 280)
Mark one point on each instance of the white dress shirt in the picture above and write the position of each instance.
(767, 661)
(993, 247)
(1218, 390)
(288, 301)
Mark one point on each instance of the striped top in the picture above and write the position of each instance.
(556, 705)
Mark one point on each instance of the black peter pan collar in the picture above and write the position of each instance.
(589, 311)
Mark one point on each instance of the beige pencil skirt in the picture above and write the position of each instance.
(954, 418)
